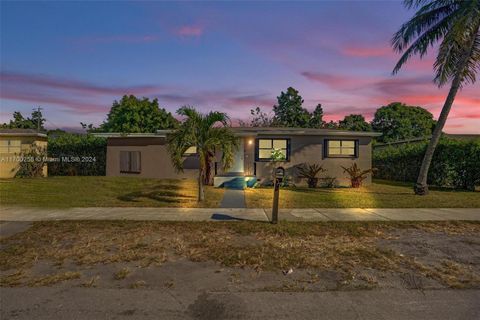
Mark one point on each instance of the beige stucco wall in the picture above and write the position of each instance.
(155, 163)
(309, 149)
(155, 160)
(9, 162)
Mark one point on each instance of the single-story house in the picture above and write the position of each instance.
(146, 155)
(13, 144)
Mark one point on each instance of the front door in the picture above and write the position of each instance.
(238, 159)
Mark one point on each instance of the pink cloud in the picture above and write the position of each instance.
(75, 105)
(454, 126)
(337, 81)
(190, 31)
(118, 39)
(252, 100)
(373, 92)
(50, 82)
(366, 52)
(80, 97)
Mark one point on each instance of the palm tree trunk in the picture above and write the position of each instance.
(201, 193)
(421, 187)
(208, 170)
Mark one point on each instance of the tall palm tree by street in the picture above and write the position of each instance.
(200, 131)
(455, 25)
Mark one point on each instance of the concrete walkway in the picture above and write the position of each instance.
(222, 214)
(233, 198)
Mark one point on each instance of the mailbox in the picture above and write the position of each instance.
(279, 174)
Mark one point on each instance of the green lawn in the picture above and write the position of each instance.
(104, 192)
(381, 194)
(131, 192)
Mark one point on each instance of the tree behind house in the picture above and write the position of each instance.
(258, 118)
(289, 111)
(19, 122)
(134, 115)
(397, 121)
(316, 118)
(354, 122)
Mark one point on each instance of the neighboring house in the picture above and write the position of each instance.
(13, 144)
(146, 155)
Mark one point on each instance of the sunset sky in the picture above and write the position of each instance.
(74, 59)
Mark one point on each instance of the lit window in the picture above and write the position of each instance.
(191, 150)
(266, 147)
(341, 148)
(130, 161)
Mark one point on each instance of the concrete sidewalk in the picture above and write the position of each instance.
(235, 214)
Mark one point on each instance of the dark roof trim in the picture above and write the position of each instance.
(250, 131)
(21, 133)
(127, 135)
(263, 131)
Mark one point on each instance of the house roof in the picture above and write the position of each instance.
(301, 131)
(127, 135)
(21, 133)
(254, 131)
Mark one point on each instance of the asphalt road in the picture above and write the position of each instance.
(93, 303)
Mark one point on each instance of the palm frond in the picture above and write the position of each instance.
(414, 3)
(424, 20)
(224, 139)
(458, 52)
(199, 130)
(427, 33)
(178, 142)
(309, 171)
(214, 116)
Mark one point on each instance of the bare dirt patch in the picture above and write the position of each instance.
(244, 255)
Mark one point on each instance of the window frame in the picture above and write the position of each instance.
(327, 154)
(257, 149)
(11, 148)
(129, 163)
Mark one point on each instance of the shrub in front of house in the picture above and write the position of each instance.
(455, 163)
(357, 175)
(310, 173)
(32, 162)
(77, 154)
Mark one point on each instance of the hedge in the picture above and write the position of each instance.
(76, 154)
(455, 163)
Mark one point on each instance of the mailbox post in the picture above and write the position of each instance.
(278, 178)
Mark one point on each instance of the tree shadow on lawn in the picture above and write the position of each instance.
(159, 195)
(167, 187)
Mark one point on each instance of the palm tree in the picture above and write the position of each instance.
(200, 131)
(455, 25)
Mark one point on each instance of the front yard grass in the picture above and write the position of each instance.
(353, 254)
(381, 194)
(104, 192)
